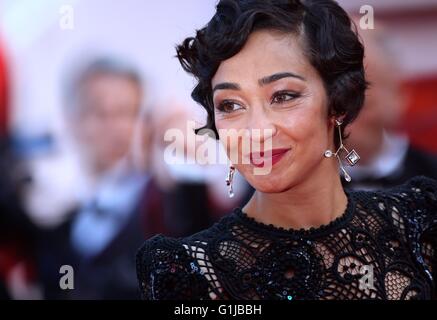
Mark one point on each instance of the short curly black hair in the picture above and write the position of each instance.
(331, 43)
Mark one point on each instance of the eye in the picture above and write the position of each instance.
(228, 106)
(284, 96)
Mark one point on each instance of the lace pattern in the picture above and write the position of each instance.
(382, 247)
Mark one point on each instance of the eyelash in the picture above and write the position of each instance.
(293, 95)
(221, 107)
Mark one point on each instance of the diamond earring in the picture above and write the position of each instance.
(351, 157)
(229, 181)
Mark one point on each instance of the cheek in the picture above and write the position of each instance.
(229, 135)
(87, 128)
(220, 125)
(304, 128)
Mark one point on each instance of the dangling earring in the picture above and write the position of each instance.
(352, 156)
(230, 180)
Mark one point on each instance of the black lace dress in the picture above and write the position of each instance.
(382, 247)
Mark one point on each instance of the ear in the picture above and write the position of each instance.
(331, 121)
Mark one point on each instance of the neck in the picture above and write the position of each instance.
(316, 201)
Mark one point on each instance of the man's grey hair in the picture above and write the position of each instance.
(97, 66)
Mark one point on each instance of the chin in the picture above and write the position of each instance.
(269, 185)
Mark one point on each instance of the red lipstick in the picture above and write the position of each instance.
(258, 159)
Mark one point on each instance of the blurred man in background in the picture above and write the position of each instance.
(99, 240)
(387, 157)
(126, 197)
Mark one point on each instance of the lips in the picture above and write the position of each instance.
(258, 159)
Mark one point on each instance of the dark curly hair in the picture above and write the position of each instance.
(330, 39)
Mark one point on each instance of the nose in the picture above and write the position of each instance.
(260, 126)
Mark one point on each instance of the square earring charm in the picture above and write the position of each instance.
(352, 157)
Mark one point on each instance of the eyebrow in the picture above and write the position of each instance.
(278, 76)
(262, 82)
(226, 86)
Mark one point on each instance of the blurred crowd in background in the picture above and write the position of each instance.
(88, 90)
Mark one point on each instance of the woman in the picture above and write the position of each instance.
(293, 70)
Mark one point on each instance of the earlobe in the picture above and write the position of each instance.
(331, 121)
(352, 156)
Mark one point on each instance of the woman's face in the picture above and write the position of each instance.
(270, 92)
